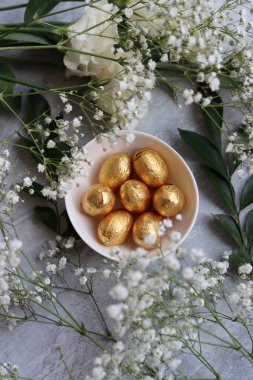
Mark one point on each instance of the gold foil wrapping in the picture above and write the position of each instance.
(115, 228)
(145, 230)
(135, 196)
(115, 170)
(168, 200)
(98, 200)
(150, 167)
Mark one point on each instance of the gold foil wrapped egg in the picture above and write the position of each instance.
(145, 230)
(150, 167)
(115, 228)
(168, 200)
(115, 170)
(135, 196)
(98, 200)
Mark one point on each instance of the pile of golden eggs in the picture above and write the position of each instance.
(150, 189)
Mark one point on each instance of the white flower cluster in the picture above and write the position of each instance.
(72, 164)
(126, 94)
(176, 30)
(241, 142)
(10, 248)
(70, 168)
(40, 288)
(157, 311)
(242, 299)
(9, 197)
(126, 97)
(56, 262)
(9, 261)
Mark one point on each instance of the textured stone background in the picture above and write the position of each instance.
(32, 346)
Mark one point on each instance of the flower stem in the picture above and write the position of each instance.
(55, 47)
(16, 6)
(64, 363)
(99, 311)
(30, 62)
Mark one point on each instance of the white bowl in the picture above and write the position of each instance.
(180, 175)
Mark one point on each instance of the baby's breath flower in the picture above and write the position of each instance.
(76, 122)
(106, 273)
(27, 182)
(91, 270)
(78, 271)
(63, 98)
(128, 12)
(83, 280)
(62, 263)
(51, 268)
(51, 144)
(41, 168)
(245, 269)
(68, 108)
(119, 292)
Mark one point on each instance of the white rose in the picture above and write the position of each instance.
(97, 34)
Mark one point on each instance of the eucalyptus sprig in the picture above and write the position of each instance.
(219, 167)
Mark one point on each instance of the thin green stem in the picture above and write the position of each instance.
(31, 62)
(240, 347)
(201, 358)
(11, 7)
(65, 364)
(98, 309)
(95, 342)
(56, 47)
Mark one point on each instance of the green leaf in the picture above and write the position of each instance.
(35, 106)
(221, 186)
(247, 194)
(250, 252)
(249, 226)
(213, 117)
(227, 82)
(119, 3)
(33, 150)
(37, 191)
(38, 8)
(47, 216)
(61, 149)
(26, 37)
(206, 150)
(6, 71)
(233, 162)
(6, 87)
(69, 231)
(230, 225)
(239, 257)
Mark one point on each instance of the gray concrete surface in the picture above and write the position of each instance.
(32, 346)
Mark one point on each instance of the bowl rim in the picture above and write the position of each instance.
(167, 146)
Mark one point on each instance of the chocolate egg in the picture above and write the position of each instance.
(115, 170)
(150, 167)
(115, 227)
(168, 200)
(145, 230)
(135, 196)
(98, 200)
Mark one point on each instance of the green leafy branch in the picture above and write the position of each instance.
(36, 143)
(219, 168)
